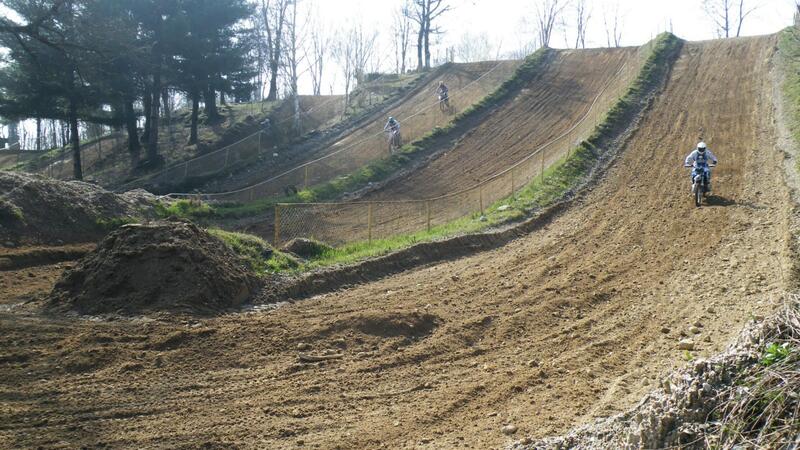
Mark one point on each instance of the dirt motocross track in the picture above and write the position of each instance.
(575, 321)
(417, 112)
(544, 110)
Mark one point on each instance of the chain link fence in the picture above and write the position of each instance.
(418, 115)
(342, 223)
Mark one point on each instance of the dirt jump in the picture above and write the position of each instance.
(575, 321)
(153, 268)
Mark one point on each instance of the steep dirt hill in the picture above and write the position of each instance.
(541, 112)
(417, 112)
(572, 322)
(544, 110)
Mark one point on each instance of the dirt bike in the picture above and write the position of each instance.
(444, 104)
(395, 141)
(700, 181)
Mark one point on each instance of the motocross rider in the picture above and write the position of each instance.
(699, 158)
(392, 125)
(442, 92)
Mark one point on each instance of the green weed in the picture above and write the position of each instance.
(775, 353)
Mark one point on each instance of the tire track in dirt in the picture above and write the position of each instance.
(547, 332)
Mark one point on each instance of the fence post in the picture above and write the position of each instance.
(277, 224)
(185, 170)
(542, 170)
(251, 194)
(305, 177)
(227, 154)
(259, 143)
(369, 223)
(513, 184)
(480, 195)
(428, 213)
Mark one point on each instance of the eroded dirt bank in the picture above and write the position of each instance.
(573, 322)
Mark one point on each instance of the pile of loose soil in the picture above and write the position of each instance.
(39, 210)
(159, 267)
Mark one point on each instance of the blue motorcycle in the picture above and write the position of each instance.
(701, 175)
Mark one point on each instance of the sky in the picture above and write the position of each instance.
(506, 25)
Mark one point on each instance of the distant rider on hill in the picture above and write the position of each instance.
(699, 159)
(392, 125)
(442, 91)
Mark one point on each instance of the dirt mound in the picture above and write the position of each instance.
(36, 209)
(174, 267)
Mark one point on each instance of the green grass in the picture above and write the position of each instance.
(789, 47)
(11, 212)
(775, 353)
(184, 209)
(256, 252)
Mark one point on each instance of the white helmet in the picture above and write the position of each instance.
(701, 147)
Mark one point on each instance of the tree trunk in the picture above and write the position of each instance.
(211, 104)
(38, 134)
(195, 110)
(147, 101)
(222, 98)
(297, 122)
(420, 44)
(165, 105)
(273, 81)
(134, 147)
(75, 140)
(152, 139)
(13, 133)
(428, 43)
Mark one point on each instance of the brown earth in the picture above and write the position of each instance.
(159, 267)
(552, 103)
(572, 322)
(543, 111)
(37, 209)
(417, 113)
(575, 90)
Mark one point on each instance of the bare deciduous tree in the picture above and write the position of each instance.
(424, 13)
(292, 59)
(474, 47)
(316, 52)
(613, 23)
(582, 15)
(272, 15)
(353, 50)
(727, 14)
(547, 15)
(401, 34)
